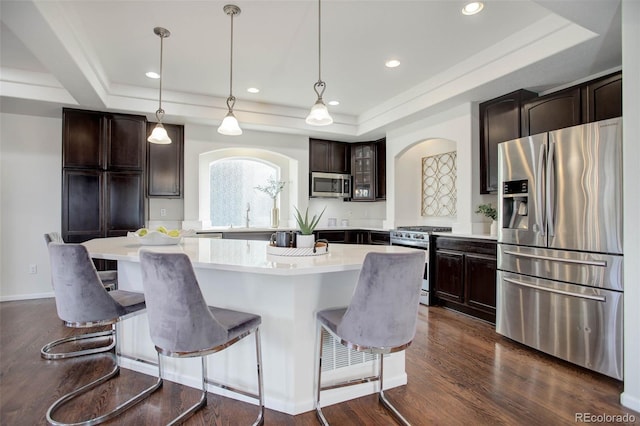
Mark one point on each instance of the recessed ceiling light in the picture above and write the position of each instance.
(334, 103)
(472, 8)
(392, 63)
(152, 74)
(253, 90)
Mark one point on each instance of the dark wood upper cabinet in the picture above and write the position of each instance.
(381, 169)
(165, 164)
(551, 112)
(101, 140)
(368, 170)
(521, 113)
(328, 156)
(125, 142)
(602, 98)
(82, 136)
(500, 121)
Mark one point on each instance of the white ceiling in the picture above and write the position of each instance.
(93, 54)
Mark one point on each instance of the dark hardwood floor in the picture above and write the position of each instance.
(460, 372)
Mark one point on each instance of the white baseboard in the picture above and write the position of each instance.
(26, 297)
(630, 401)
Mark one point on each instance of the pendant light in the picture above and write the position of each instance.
(159, 134)
(229, 124)
(319, 115)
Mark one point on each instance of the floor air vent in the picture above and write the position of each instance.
(336, 355)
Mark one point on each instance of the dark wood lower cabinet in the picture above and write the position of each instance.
(463, 272)
(82, 205)
(450, 275)
(480, 271)
(99, 204)
(124, 195)
(331, 236)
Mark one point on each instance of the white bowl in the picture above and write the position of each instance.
(156, 238)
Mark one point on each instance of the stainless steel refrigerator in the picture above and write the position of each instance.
(559, 281)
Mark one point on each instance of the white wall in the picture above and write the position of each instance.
(455, 125)
(631, 175)
(291, 153)
(30, 149)
(200, 139)
(408, 176)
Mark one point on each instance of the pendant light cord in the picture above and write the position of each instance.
(160, 110)
(319, 43)
(231, 61)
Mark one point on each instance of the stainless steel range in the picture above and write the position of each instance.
(418, 237)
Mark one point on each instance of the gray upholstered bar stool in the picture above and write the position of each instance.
(82, 301)
(182, 325)
(380, 319)
(109, 278)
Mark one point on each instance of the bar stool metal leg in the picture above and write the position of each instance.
(46, 353)
(260, 420)
(385, 401)
(202, 402)
(83, 389)
(319, 414)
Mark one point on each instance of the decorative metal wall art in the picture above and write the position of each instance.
(439, 193)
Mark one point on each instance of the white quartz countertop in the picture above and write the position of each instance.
(243, 255)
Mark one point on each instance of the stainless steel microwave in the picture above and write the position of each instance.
(330, 185)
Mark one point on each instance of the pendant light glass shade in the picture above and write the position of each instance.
(229, 125)
(159, 134)
(319, 115)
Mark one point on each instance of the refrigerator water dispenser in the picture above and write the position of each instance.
(515, 204)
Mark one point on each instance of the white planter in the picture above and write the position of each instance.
(494, 228)
(305, 241)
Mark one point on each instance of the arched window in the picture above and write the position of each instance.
(232, 192)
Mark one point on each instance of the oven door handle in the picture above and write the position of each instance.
(600, 263)
(556, 291)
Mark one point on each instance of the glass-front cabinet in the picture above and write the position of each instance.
(363, 171)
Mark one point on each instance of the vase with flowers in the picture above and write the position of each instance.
(272, 189)
(489, 211)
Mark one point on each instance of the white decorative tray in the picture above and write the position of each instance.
(319, 249)
(156, 238)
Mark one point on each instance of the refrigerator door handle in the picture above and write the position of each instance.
(551, 193)
(540, 222)
(600, 263)
(554, 290)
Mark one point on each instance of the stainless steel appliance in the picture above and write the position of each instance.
(418, 237)
(559, 282)
(332, 185)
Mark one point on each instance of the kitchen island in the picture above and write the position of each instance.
(286, 291)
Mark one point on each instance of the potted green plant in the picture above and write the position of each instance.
(489, 211)
(306, 225)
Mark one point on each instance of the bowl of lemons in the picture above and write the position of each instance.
(160, 236)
